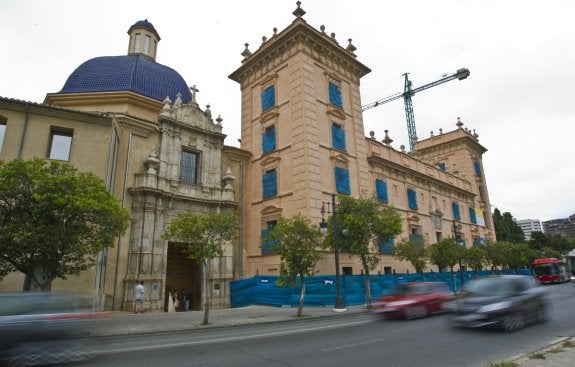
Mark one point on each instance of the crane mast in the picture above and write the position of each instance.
(408, 93)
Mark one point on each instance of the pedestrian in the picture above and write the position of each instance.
(186, 300)
(139, 298)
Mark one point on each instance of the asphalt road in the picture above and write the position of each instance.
(357, 340)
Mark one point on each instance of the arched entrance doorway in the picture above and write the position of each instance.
(182, 275)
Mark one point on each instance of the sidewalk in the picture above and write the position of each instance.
(559, 354)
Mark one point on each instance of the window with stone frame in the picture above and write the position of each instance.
(342, 180)
(269, 139)
(270, 183)
(269, 222)
(335, 97)
(189, 166)
(268, 97)
(338, 136)
(60, 144)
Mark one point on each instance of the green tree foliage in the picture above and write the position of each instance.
(201, 238)
(446, 253)
(506, 229)
(550, 245)
(366, 221)
(415, 253)
(296, 241)
(510, 255)
(54, 220)
(475, 257)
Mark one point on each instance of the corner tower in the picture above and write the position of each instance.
(302, 122)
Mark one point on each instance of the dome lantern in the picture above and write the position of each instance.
(143, 39)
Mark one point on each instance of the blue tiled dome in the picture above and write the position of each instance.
(135, 73)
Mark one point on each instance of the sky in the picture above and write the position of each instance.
(519, 97)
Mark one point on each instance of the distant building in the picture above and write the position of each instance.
(529, 226)
(564, 227)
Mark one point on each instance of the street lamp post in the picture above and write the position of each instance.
(339, 304)
(457, 236)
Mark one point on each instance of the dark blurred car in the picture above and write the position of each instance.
(44, 328)
(414, 300)
(508, 302)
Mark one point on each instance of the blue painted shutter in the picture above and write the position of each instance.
(335, 95)
(267, 244)
(270, 183)
(412, 199)
(386, 245)
(269, 139)
(268, 98)
(442, 167)
(338, 136)
(381, 190)
(472, 215)
(456, 213)
(477, 168)
(342, 180)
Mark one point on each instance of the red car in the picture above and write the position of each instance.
(414, 300)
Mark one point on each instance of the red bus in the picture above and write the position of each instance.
(550, 270)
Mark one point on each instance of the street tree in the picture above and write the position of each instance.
(412, 252)
(54, 220)
(201, 238)
(297, 241)
(475, 257)
(367, 222)
(446, 254)
(506, 228)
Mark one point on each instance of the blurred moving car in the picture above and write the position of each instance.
(506, 301)
(414, 300)
(39, 328)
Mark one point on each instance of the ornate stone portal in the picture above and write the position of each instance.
(182, 174)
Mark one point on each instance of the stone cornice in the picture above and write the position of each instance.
(173, 196)
(82, 99)
(136, 125)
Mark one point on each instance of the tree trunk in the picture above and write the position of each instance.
(207, 293)
(301, 298)
(35, 282)
(367, 289)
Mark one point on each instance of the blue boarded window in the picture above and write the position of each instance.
(267, 244)
(442, 167)
(189, 167)
(268, 98)
(381, 191)
(412, 199)
(472, 215)
(338, 136)
(456, 212)
(477, 168)
(342, 180)
(335, 95)
(269, 139)
(386, 245)
(270, 183)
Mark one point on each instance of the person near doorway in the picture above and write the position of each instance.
(186, 300)
(139, 297)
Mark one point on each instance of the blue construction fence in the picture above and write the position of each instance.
(321, 289)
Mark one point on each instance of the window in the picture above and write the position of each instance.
(342, 180)
(381, 191)
(442, 167)
(338, 136)
(137, 42)
(147, 42)
(412, 199)
(2, 133)
(456, 213)
(269, 139)
(472, 215)
(477, 168)
(268, 98)
(267, 244)
(270, 183)
(386, 245)
(189, 167)
(60, 145)
(335, 95)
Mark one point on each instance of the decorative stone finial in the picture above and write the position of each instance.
(475, 135)
(178, 101)
(322, 28)
(350, 48)
(275, 31)
(299, 12)
(219, 120)
(167, 102)
(246, 52)
(432, 133)
(387, 140)
(208, 112)
(459, 123)
(402, 147)
(332, 35)
(264, 39)
(440, 131)
(372, 134)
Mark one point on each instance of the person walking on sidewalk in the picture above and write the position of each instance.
(139, 298)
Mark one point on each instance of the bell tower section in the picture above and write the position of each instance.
(301, 119)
